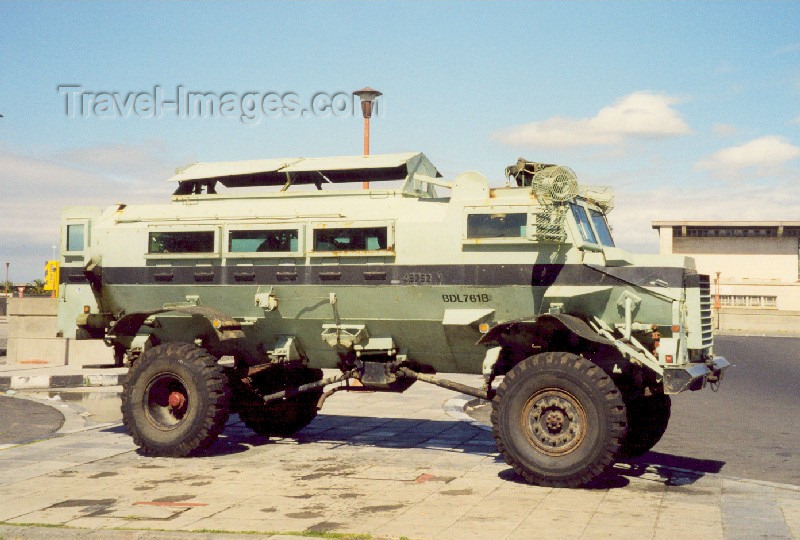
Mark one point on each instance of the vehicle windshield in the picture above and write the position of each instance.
(601, 226)
(583, 223)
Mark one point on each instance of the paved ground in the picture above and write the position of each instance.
(746, 429)
(25, 420)
(379, 464)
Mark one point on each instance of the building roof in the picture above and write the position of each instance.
(739, 224)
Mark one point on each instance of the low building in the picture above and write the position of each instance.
(754, 268)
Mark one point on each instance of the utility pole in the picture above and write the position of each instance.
(717, 302)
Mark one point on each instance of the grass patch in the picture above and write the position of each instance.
(41, 525)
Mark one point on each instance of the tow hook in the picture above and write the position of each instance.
(714, 379)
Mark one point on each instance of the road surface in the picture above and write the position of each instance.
(23, 420)
(749, 429)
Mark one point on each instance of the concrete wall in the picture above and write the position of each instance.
(33, 338)
(748, 266)
(737, 258)
(759, 321)
(32, 335)
(787, 294)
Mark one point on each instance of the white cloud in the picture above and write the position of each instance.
(36, 188)
(641, 115)
(632, 219)
(725, 130)
(762, 156)
(126, 161)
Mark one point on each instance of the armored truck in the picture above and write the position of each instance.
(260, 274)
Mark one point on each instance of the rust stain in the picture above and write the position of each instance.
(35, 362)
(421, 479)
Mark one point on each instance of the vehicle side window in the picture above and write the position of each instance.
(350, 239)
(268, 241)
(75, 237)
(181, 242)
(501, 225)
(601, 226)
(583, 223)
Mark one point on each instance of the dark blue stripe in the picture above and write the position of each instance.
(538, 275)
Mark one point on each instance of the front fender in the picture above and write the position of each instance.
(567, 322)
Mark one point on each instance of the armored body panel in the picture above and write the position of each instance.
(385, 281)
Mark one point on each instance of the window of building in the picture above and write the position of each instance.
(500, 225)
(750, 232)
(351, 239)
(181, 242)
(75, 237)
(748, 301)
(263, 241)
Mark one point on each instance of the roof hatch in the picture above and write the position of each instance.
(299, 170)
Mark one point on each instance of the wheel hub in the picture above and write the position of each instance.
(554, 421)
(166, 401)
(177, 400)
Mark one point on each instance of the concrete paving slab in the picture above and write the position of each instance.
(382, 471)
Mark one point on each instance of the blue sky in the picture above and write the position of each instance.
(689, 110)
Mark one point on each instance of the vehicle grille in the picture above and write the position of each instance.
(705, 311)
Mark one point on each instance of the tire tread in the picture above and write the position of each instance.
(208, 375)
(599, 379)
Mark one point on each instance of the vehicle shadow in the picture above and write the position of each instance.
(663, 469)
(447, 436)
(400, 433)
(673, 470)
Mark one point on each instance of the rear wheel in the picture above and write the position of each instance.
(648, 418)
(558, 419)
(283, 417)
(175, 400)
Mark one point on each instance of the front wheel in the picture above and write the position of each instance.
(558, 420)
(648, 417)
(175, 400)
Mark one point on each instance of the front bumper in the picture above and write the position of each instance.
(694, 376)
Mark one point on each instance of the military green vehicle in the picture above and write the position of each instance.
(259, 274)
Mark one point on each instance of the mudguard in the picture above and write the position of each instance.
(569, 322)
(225, 326)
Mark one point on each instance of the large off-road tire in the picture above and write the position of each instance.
(648, 418)
(175, 401)
(558, 420)
(283, 417)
